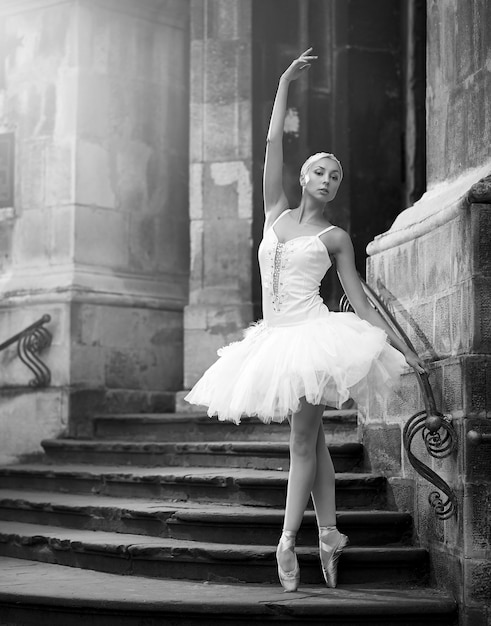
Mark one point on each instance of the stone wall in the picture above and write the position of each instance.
(433, 267)
(459, 83)
(96, 94)
(220, 181)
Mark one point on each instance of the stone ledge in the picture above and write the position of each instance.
(437, 206)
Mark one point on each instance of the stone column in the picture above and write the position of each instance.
(97, 96)
(220, 181)
(433, 266)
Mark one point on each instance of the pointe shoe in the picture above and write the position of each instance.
(331, 544)
(289, 580)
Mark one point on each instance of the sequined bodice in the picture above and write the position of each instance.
(291, 274)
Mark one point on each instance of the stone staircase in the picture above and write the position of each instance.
(196, 505)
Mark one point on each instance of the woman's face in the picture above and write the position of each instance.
(322, 179)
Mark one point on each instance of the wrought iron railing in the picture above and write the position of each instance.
(436, 429)
(30, 343)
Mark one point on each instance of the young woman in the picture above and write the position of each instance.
(302, 356)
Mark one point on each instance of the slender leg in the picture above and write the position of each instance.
(323, 490)
(331, 541)
(303, 464)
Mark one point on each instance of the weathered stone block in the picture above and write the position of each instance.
(101, 237)
(227, 320)
(31, 239)
(86, 325)
(477, 579)
(87, 366)
(400, 494)
(82, 405)
(477, 458)
(452, 392)
(454, 59)
(197, 261)
(221, 121)
(59, 174)
(482, 314)
(244, 134)
(477, 386)
(404, 273)
(224, 83)
(460, 303)
(405, 401)
(196, 191)
(61, 241)
(477, 513)
(95, 180)
(200, 351)
(474, 616)
(222, 267)
(447, 570)
(6, 236)
(172, 259)
(142, 369)
(228, 190)
(28, 417)
(442, 332)
(382, 445)
(437, 276)
(143, 243)
(94, 104)
(196, 317)
(421, 327)
(221, 190)
(428, 524)
(197, 132)
(138, 401)
(481, 231)
(462, 243)
(67, 109)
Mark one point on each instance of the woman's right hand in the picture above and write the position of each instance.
(299, 66)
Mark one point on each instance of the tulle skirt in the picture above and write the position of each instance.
(326, 360)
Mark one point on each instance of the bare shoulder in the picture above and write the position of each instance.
(337, 240)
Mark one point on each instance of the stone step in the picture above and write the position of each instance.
(163, 557)
(347, 457)
(192, 521)
(232, 485)
(34, 593)
(338, 425)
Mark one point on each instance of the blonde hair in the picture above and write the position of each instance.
(316, 157)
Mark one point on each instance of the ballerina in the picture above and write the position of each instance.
(302, 356)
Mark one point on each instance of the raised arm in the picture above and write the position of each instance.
(345, 263)
(275, 201)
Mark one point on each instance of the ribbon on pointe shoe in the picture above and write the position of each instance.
(331, 545)
(289, 579)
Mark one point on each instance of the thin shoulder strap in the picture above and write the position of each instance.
(279, 216)
(325, 230)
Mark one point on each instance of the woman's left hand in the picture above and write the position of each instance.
(415, 361)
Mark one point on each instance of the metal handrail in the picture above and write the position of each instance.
(30, 343)
(437, 431)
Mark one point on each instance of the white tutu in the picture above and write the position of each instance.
(326, 360)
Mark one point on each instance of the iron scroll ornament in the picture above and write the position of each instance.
(437, 431)
(30, 343)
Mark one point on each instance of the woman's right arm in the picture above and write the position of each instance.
(275, 200)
